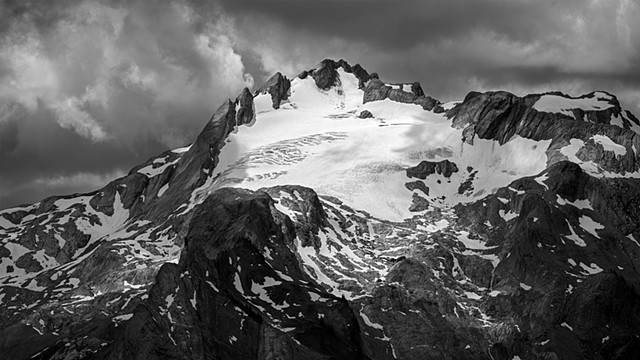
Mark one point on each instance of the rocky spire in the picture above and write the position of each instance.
(278, 86)
(326, 74)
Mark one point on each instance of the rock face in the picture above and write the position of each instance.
(417, 185)
(245, 113)
(445, 168)
(376, 90)
(176, 260)
(237, 251)
(501, 116)
(278, 86)
(190, 171)
(362, 75)
(325, 75)
(546, 223)
(79, 251)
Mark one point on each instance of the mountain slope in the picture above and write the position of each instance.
(338, 216)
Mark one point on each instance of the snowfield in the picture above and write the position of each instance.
(316, 140)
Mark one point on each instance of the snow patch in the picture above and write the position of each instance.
(630, 237)
(450, 105)
(181, 149)
(474, 244)
(370, 323)
(506, 216)
(564, 324)
(237, 283)
(123, 317)
(591, 269)
(574, 237)
(590, 225)
(564, 105)
(610, 145)
(582, 204)
(163, 189)
(151, 170)
(472, 295)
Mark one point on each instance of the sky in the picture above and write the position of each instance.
(89, 89)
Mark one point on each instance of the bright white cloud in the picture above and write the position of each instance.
(124, 72)
(32, 76)
(71, 115)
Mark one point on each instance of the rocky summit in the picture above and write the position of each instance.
(336, 215)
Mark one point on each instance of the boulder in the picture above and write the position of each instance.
(375, 90)
(365, 114)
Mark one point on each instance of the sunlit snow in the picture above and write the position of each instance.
(316, 140)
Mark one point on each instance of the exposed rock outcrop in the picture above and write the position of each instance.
(376, 90)
(362, 75)
(278, 86)
(418, 203)
(365, 114)
(210, 305)
(425, 168)
(190, 171)
(245, 113)
(502, 115)
(417, 185)
(326, 75)
(544, 255)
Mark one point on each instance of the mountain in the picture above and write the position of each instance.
(338, 216)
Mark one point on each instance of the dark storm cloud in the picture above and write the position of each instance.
(453, 44)
(89, 89)
(42, 14)
(399, 24)
(45, 154)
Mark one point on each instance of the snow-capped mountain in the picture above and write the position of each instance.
(339, 216)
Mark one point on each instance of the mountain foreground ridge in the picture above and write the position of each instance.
(338, 216)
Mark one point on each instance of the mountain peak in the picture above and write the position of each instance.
(325, 73)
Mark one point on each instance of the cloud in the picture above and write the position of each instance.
(70, 114)
(42, 187)
(97, 87)
(392, 25)
(97, 52)
(571, 45)
(81, 179)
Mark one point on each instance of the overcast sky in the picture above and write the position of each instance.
(88, 89)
